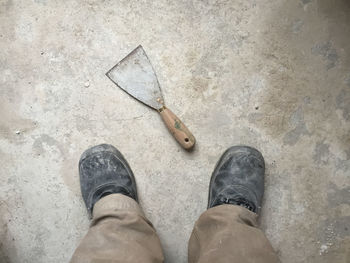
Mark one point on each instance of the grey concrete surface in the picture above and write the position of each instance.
(271, 74)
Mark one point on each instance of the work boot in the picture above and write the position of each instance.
(238, 179)
(104, 171)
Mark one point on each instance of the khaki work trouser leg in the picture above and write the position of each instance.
(229, 233)
(120, 233)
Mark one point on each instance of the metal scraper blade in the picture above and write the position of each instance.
(135, 75)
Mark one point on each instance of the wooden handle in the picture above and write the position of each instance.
(177, 128)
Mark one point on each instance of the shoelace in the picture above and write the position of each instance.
(238, 201)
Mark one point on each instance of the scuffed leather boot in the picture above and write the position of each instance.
(238, 179)
(103, 171)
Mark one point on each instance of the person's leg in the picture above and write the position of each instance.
(119, 230)
(227, 231)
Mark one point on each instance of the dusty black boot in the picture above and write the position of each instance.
(238, 179)
(103, 171)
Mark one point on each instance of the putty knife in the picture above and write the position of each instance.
(135, 75)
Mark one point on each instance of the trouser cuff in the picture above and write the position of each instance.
(115, 203)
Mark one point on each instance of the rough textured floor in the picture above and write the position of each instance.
(271, 74)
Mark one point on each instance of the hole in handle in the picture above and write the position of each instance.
(187, 140)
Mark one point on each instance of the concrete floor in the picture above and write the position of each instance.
(271, 74)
